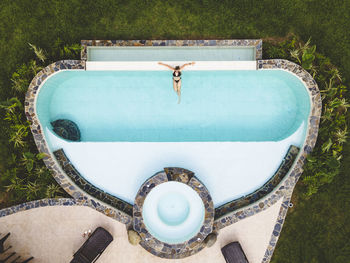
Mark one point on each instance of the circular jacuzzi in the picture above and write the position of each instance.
(173, 212)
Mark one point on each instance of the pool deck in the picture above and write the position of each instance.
(53, 233)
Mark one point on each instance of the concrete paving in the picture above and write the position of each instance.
(53, 234)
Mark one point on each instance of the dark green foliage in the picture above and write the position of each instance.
(23, 75)
(324, 162)
(316, 229)
(23, 175)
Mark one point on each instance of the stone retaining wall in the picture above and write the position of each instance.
(92, 190)
(267, 188)
(40, 203)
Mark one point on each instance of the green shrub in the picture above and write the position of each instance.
(324, 162)
(25, 177)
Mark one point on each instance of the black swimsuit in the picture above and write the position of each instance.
(179, 76)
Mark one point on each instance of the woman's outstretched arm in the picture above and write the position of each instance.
(168, 66)
(187, 64)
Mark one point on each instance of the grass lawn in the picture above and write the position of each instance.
(316, 229)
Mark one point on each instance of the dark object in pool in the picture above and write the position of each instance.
(66, 129)
(92, 249)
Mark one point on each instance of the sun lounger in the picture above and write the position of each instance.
(8, 257)
(27, 260)
(92, 249)
(233, 253)
(2, 241)
(15, 260)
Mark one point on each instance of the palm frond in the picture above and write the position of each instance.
(38, 52)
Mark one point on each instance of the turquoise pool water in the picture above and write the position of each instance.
(166, 53)
(141, 106)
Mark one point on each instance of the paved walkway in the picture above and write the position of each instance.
(53, 234)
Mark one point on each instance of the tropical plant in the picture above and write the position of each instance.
(61, 50)
(341, 135)
(25, 176)
(23, 75)
(32, 189)
(324, 162)
(53, 190)
(40, 54)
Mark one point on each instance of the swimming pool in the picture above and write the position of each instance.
(113, 135)
(232, 128)
(215, 106)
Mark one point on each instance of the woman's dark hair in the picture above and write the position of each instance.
(177, 68)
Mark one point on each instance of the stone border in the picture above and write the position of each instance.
(50, 161)
(92, 190)
(40, 203)
(256, 43)
(267, 188)
(311, 137)
(162, 249)
(277, 229)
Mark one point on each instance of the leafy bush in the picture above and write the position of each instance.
(324, 162)
(25, 176)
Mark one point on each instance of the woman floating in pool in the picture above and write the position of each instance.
(177, 77)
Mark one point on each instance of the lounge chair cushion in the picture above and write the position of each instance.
(233, 253)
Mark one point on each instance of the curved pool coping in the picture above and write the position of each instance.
(283, 190)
